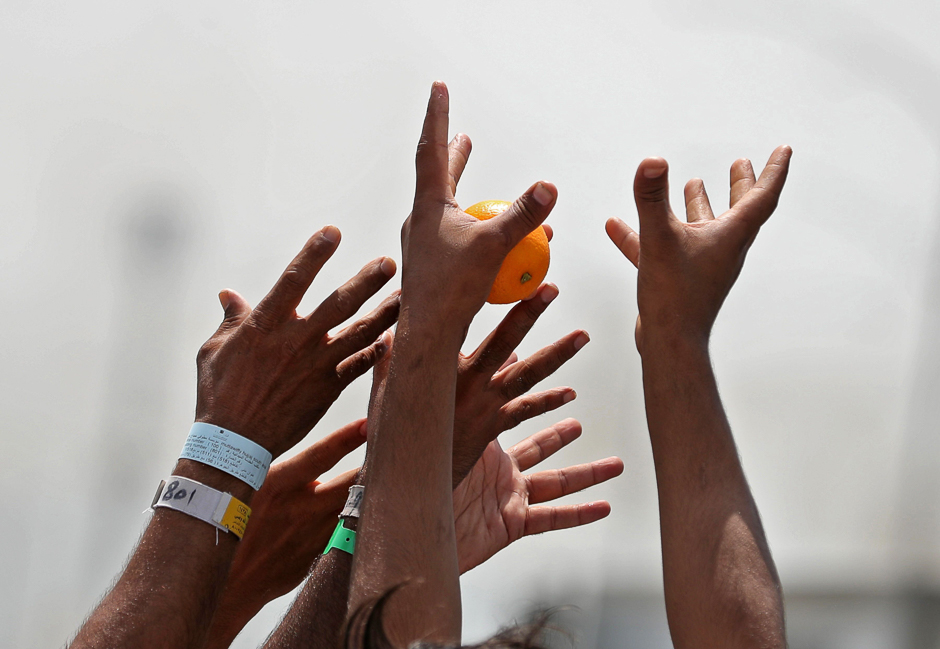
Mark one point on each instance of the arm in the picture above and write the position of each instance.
(491, 397)
(406, 533)
(293, 516)
(268, 375)
(722, 589)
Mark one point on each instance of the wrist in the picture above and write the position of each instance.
(431, 328)
(215, 478)
(656, 342)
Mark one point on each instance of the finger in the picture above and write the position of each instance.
(499, 345)
(331, 496)
(697, 207)
(282, 300)
(236, 309)
(336, 491)
(545, 443)
(760, 202)
(625, 238)
(322, 455)
(526, 407)
(513, 357)
(457, 155)
(360, 362)
(550, 485)
(431, 157)
(548, 231)
(525, 214)
(524, 375)
(742, 179)
(345, 301)
(651, 192)
(542, 518)
(368, 328)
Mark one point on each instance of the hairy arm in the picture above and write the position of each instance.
(406, 532)
(721, 585)
(167, 593)
(269, 376)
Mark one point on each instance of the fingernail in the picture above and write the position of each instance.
(364, 428)
(384, 342)
(380, 347)
(549, 293)
(388, 266)
(581, 341)
(331, 233)
(655, 170)
(569, 396)
(541, 194)
(224, 299)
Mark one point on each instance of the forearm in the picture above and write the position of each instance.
(169, 589)
(316, 617)
(401, 543)
(722, 588)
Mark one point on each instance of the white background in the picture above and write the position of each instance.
(154, 153)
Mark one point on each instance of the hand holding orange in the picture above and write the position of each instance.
(525, 266)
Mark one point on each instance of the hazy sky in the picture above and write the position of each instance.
(154, 154)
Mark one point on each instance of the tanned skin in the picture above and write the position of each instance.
(269, 375)
(406, 533)
(496, 504)
(722, 589)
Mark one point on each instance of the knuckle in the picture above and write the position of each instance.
(651, 194)
(520, 412)
(341, 302)
(528, 377)
(261, 321)
(205, 351)
(295, 277)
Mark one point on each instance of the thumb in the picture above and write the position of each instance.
(235, 306)
(651, 192)
(526, 213)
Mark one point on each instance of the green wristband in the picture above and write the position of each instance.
(342, 539)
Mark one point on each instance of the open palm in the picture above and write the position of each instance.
(497, 504)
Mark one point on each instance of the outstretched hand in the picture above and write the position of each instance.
(687, 269)
(493, 384)
(497, 504)
(269, 374)
(292, 518)
(450, 258)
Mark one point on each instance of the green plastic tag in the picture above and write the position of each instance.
(342, 539)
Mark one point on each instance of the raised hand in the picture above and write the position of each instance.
(687, 269)
(497, 504)
(450, 258)
(292, 518)
(269, 374)
(721, 586)
(492, 384)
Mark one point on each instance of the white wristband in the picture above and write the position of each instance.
(353, 502)
(227, 451)
(221, 510)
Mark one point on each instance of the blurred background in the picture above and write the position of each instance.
(152, 154)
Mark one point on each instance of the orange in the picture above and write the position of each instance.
(525, 266)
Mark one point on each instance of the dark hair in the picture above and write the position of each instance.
(365, 630)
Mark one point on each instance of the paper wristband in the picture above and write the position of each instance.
(353, 502)
(219, 509)
(342, 539)
(227, 451)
